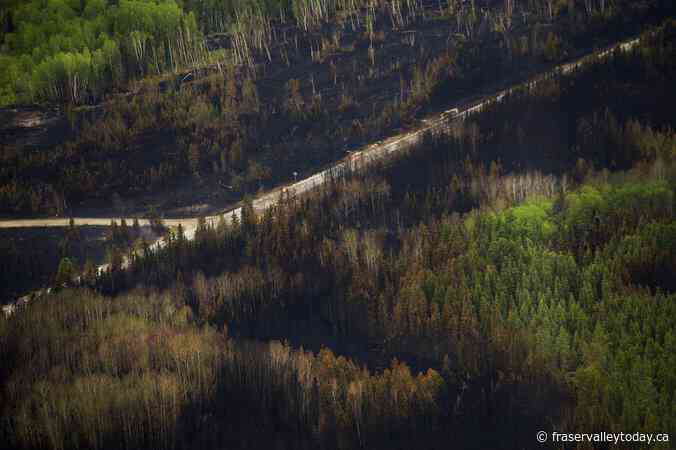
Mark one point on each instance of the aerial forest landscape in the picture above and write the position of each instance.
(337, 224)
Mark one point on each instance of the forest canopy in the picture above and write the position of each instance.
(413, 305)
(553, 313)
(76, 50)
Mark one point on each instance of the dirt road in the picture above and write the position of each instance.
(356, 160)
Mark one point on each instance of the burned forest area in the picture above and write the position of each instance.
(337, 224)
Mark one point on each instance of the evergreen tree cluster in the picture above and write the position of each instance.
(474, 283)
(556, 310)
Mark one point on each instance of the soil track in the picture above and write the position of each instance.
(355, 160)
(437, 124)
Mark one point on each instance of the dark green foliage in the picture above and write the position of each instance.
(504, 296)
(467, 296)
(647, 257)
(65, 274)
(508, 321)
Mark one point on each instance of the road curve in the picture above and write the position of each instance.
(356, 160)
